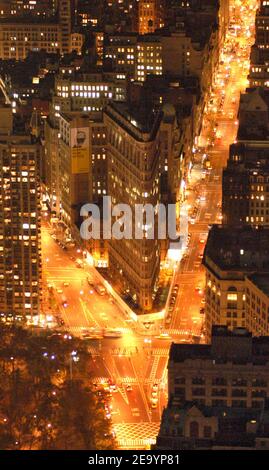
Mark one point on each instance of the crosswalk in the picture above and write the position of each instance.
(162, 352)
(128, 435)
(122, 380)
(179, 332)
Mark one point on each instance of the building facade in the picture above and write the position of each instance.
(231, 254)
(150, 16)
(19, 35)
(218, 393)
(20, 222)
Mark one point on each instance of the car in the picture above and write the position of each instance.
(200, 256)
(113, 387)
(129, 388)
(154, 394)
(155, 386)
(59, 291)
(66, 284)
(153, 405)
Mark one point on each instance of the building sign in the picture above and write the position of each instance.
(80, 143)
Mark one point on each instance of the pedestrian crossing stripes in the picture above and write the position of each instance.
(128, 380)
(160, 352)
(128, 435)
(179, 332)
(101, 380)
(121, 380)
(136, 444)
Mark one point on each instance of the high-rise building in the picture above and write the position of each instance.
(20, 221)
(139, 153)
(246, 178)
(262, 25)
(150, 16)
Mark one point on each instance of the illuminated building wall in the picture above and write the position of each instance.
(150, 16)
(133, 177)
(142, 161)
(20, 224)
(74, 166)
(149, 57)
(88, 92)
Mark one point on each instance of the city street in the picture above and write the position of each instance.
(134, 365)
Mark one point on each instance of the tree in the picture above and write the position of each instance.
(40, 406)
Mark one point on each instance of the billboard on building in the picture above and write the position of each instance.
(80, 150)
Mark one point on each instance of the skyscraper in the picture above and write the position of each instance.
(20, 240)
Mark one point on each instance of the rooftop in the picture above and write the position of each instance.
(140, 119)
(242, 249)
(236, 346)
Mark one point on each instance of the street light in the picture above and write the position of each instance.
(75, 358)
